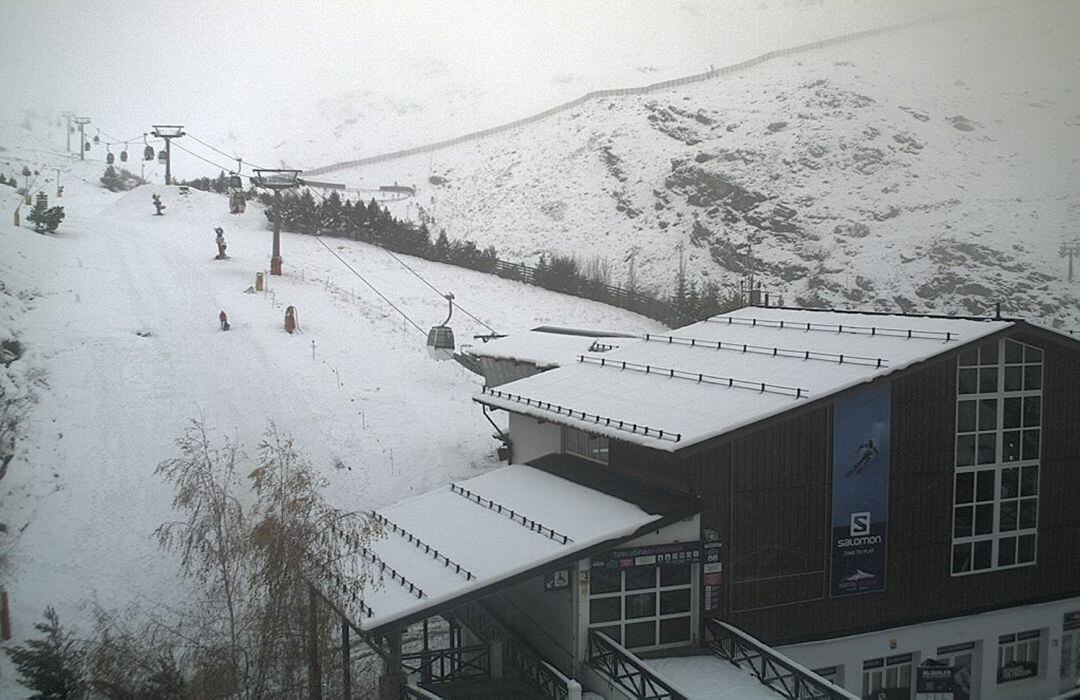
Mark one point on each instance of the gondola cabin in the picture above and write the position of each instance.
(440, 343)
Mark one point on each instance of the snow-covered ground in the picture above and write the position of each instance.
(930, 169)
(118, 317)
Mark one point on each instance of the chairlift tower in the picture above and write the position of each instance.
(67, 130)
(82, 122)
(167, 132)
(276, 180)
(1070, 250)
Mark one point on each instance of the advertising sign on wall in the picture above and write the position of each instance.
(652, 555)
(712, 571)
(860, 492)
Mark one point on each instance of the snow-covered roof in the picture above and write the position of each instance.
(704, 380)
(465, 537)
(541, 348)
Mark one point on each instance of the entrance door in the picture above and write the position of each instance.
(1070, 660)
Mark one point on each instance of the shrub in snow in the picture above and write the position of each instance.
(45, 219)
(120, 180)
(53, 666)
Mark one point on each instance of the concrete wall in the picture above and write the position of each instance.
(547, 619)
(533, 438)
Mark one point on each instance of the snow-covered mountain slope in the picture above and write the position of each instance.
(117, 318)
(928, 169)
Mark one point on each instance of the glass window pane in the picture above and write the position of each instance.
(988, 377)
(675, 601)
(1008, 516)
(988, 414)
(640, 634)
(1032, 406)
(1033, 377)
(984, 489)
(965, 417)
(640, 577)
(965, 450)
(962, 521)
(1010, 446)
(1014, 378)
(1011, 417)
(1032, 354)
(967, 381)
(603, 580)
(1010, 482)
(965, 487)
(983, 551)
(988, 353)
(1014, 352)
(1028, 510)
(969, 357)
(640, 605)
(1029, 481)
(984, 519)
(613, 631)
(987, 448)
(1006, 551)
(961, 558)
(1026, 549)
(675, 575)
(605, 609)
(1031, 444)
(676, 629)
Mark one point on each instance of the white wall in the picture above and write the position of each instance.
(924, 640)
(545, 618)
(532, 438)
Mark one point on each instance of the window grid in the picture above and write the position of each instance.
(578, 442)
(642, 603)
(883, 674)
(998, 431)
(1020, 647)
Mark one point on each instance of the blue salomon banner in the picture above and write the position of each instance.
(860, 493)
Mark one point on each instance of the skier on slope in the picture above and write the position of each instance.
(224, 320)
(220, 243)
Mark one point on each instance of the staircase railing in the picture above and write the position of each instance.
(412, 692)
(614, 661)
(530, 666)
(447, 665)
(772, 668)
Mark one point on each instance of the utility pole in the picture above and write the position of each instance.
(1070, 250)
(59, 189)
(82, 122)
(68, 116)
(276, 180)
(167, 132)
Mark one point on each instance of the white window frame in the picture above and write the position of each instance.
(657, 589)
(887, 672)
(596, 448)
(1005, 534)
(1024, 646)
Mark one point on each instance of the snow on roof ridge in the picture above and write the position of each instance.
(765, 350)
(910, 333)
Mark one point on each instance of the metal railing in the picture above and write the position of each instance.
(530, 667)
(412, 692)
(448, 665)
(612, 660)
(773, 669)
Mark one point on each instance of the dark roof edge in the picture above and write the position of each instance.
(868, 312)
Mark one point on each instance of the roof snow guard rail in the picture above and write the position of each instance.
(386, 568)
(581, 415)
(699, 377)
(428, 549)
(765, 350)
(516, 517)
(836, 328)
(340, 583)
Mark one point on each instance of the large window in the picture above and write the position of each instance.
(578, 442)
(998, 436)
(889, 673)
(643, 607)
(1018, 656)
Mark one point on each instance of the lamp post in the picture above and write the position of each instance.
(276, 180)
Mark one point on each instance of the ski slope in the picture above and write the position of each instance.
(118, 315)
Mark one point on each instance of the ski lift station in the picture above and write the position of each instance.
(769, 503)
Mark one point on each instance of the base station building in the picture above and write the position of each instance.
(859, 505)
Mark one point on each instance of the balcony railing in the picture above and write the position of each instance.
(612, 660)
(772, 668)
(448, 665)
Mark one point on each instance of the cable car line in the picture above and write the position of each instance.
(373, 288)
(250, 165)
(216, 165)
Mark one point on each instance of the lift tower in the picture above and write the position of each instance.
(82, 122)
(168, 132)
(276, 180)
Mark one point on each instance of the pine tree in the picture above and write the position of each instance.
(332, 216)
(45, 219)
(51, 667)
(441, 250)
